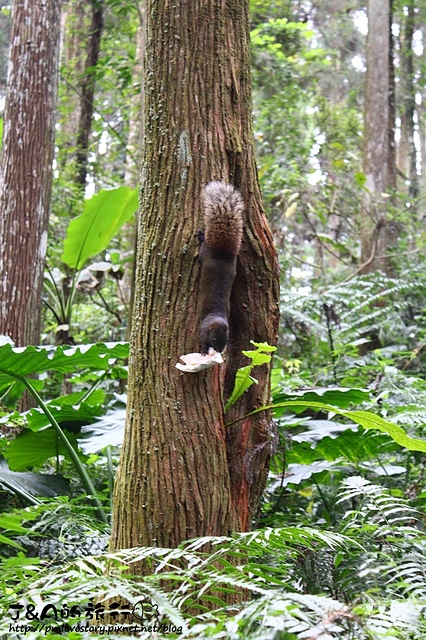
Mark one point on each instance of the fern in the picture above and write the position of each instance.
(340, 315)
(391, 533)
(378, 553)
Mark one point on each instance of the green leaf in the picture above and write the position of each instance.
(31, 449)
(24, 361)
(338, 396)
(243, 378)
(364, 418)
(18, 363)
(351, 444)
(262, 347)
(296, 473)
(13, 521)
(397, 433)
(68, 416)
(106, 432)
(360, 179)
(91, 232)
(243, 381)
(341, 248)
(32, 484)
(14, 390)
(12, 543)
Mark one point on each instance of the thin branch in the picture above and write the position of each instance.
(309, 264)
(387, 256)
(102, 117)
(323, 244)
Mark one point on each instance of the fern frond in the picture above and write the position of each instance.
(412, 416)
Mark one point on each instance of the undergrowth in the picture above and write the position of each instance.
(371, 569)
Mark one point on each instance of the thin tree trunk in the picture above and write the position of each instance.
(182, 473)
(26, 165)
(376, 136)
(75, 26)
(135, 139)
(88, 91)
(422, 136)
(134, 152)
(391, 179)
(409, 99)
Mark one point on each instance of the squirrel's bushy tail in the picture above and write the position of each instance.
(223, 214)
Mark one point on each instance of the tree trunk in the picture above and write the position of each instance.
(134, 152)
(409, 100)
(26, 165)
(75, 20)
(135, 138)
(391, 179)
(82, 22)
(88, 91)
(376, 137)
(422, 137)
(182, 473)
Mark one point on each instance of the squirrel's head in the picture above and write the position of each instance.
(214, 333)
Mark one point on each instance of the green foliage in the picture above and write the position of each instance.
(340, 548)
(36, 443)
(28, 485)
(268, 564)
(334, 326)
(91, 232)
(365, 419)
(243, 378)
(88, 235)
(283, 143)
(17, 364)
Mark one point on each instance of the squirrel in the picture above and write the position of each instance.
(220, 245)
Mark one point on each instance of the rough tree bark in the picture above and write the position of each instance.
(182, 474)
(392, 172)
(26, 165)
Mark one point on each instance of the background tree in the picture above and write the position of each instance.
(26, 165)
(110, 76)
(346, 472)
(376, 136)
(88, 90)
(408, 157)
(174, 477)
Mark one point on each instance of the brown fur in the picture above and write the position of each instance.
(223, 215)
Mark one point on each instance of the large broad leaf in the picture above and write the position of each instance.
(297, 473)
(31, 449)
(363, 418)
(91, 232)
(20, 362)
(68, 416)
(33, 484)
(24, 361)
(351, 444)
(337, 396)
(106, 432)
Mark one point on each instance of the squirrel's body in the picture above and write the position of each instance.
(220, 244)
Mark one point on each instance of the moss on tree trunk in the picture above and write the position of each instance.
(182, 473)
